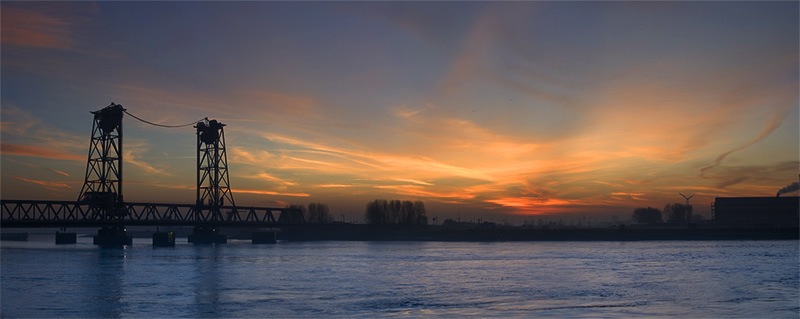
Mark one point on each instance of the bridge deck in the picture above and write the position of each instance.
(41, 213)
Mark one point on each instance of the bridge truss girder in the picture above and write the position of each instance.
(33, 213)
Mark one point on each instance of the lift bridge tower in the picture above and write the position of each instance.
(213, 182)
(102, 185)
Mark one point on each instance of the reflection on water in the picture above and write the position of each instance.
(403, 279)
(206, 280)
(103, 282)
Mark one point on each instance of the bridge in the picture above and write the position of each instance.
(61, 214)
(100, 202)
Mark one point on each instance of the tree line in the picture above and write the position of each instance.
(378, 212)
(382, 212)
(673, 214)
(316, 212)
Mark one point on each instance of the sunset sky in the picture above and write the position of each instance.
(488, 110)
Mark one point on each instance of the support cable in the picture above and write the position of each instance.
(163, 125)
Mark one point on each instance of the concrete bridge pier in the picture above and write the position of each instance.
(207, 235)
(264, 237)
(164, 239)
(113, 237)
(64, 238)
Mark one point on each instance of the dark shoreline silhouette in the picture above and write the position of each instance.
(354, 232)
(487, 232)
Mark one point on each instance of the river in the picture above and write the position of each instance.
(708, 279)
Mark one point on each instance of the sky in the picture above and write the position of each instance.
(503, 111)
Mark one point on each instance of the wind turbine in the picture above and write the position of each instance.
(687, 198)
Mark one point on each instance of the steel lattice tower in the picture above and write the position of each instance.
(213, 183)
(102, 187)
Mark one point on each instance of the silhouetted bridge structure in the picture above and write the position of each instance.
(100, 202)
(60, 214)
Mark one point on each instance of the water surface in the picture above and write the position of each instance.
(721, 279)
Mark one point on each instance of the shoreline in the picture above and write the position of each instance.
(476, 233)
(438, 233)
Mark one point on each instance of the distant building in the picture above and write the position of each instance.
(757, 211)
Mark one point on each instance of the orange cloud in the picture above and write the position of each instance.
(271, 178)
(776, 120)
(239, 154)
(286, 104)
(334, 186)
(59, 172)
(635, 141)
(532, 206)
(46, 184)
(419, 191)
(37, 151)
(132, 155)
(45, 140)
(265, 192)
(28, 164)
(28, 28)
(413, 181)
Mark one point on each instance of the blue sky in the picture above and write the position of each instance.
(477, 108)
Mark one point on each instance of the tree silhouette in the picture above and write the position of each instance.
(381, 211)
(647, 215)
(395, 215)
(318, 213)
(294, 216)
(376, 212)
(420, 216)
(678, 213)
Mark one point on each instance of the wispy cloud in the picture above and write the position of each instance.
(417, 191)
(55, 186)
(502, 107)
(45, 25)
(772, 124)
(37, 151)
(729, 176)
(28, 28)
(268, 192)
(334, 185)
(279, 103)
(628, 196)
(41, 139)
(533, 206)
(241, 155)
(271, 178)
(405, 112)
(413, 181)
(364, 161)
(244, 109)
(133, 154)
(28, 164)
